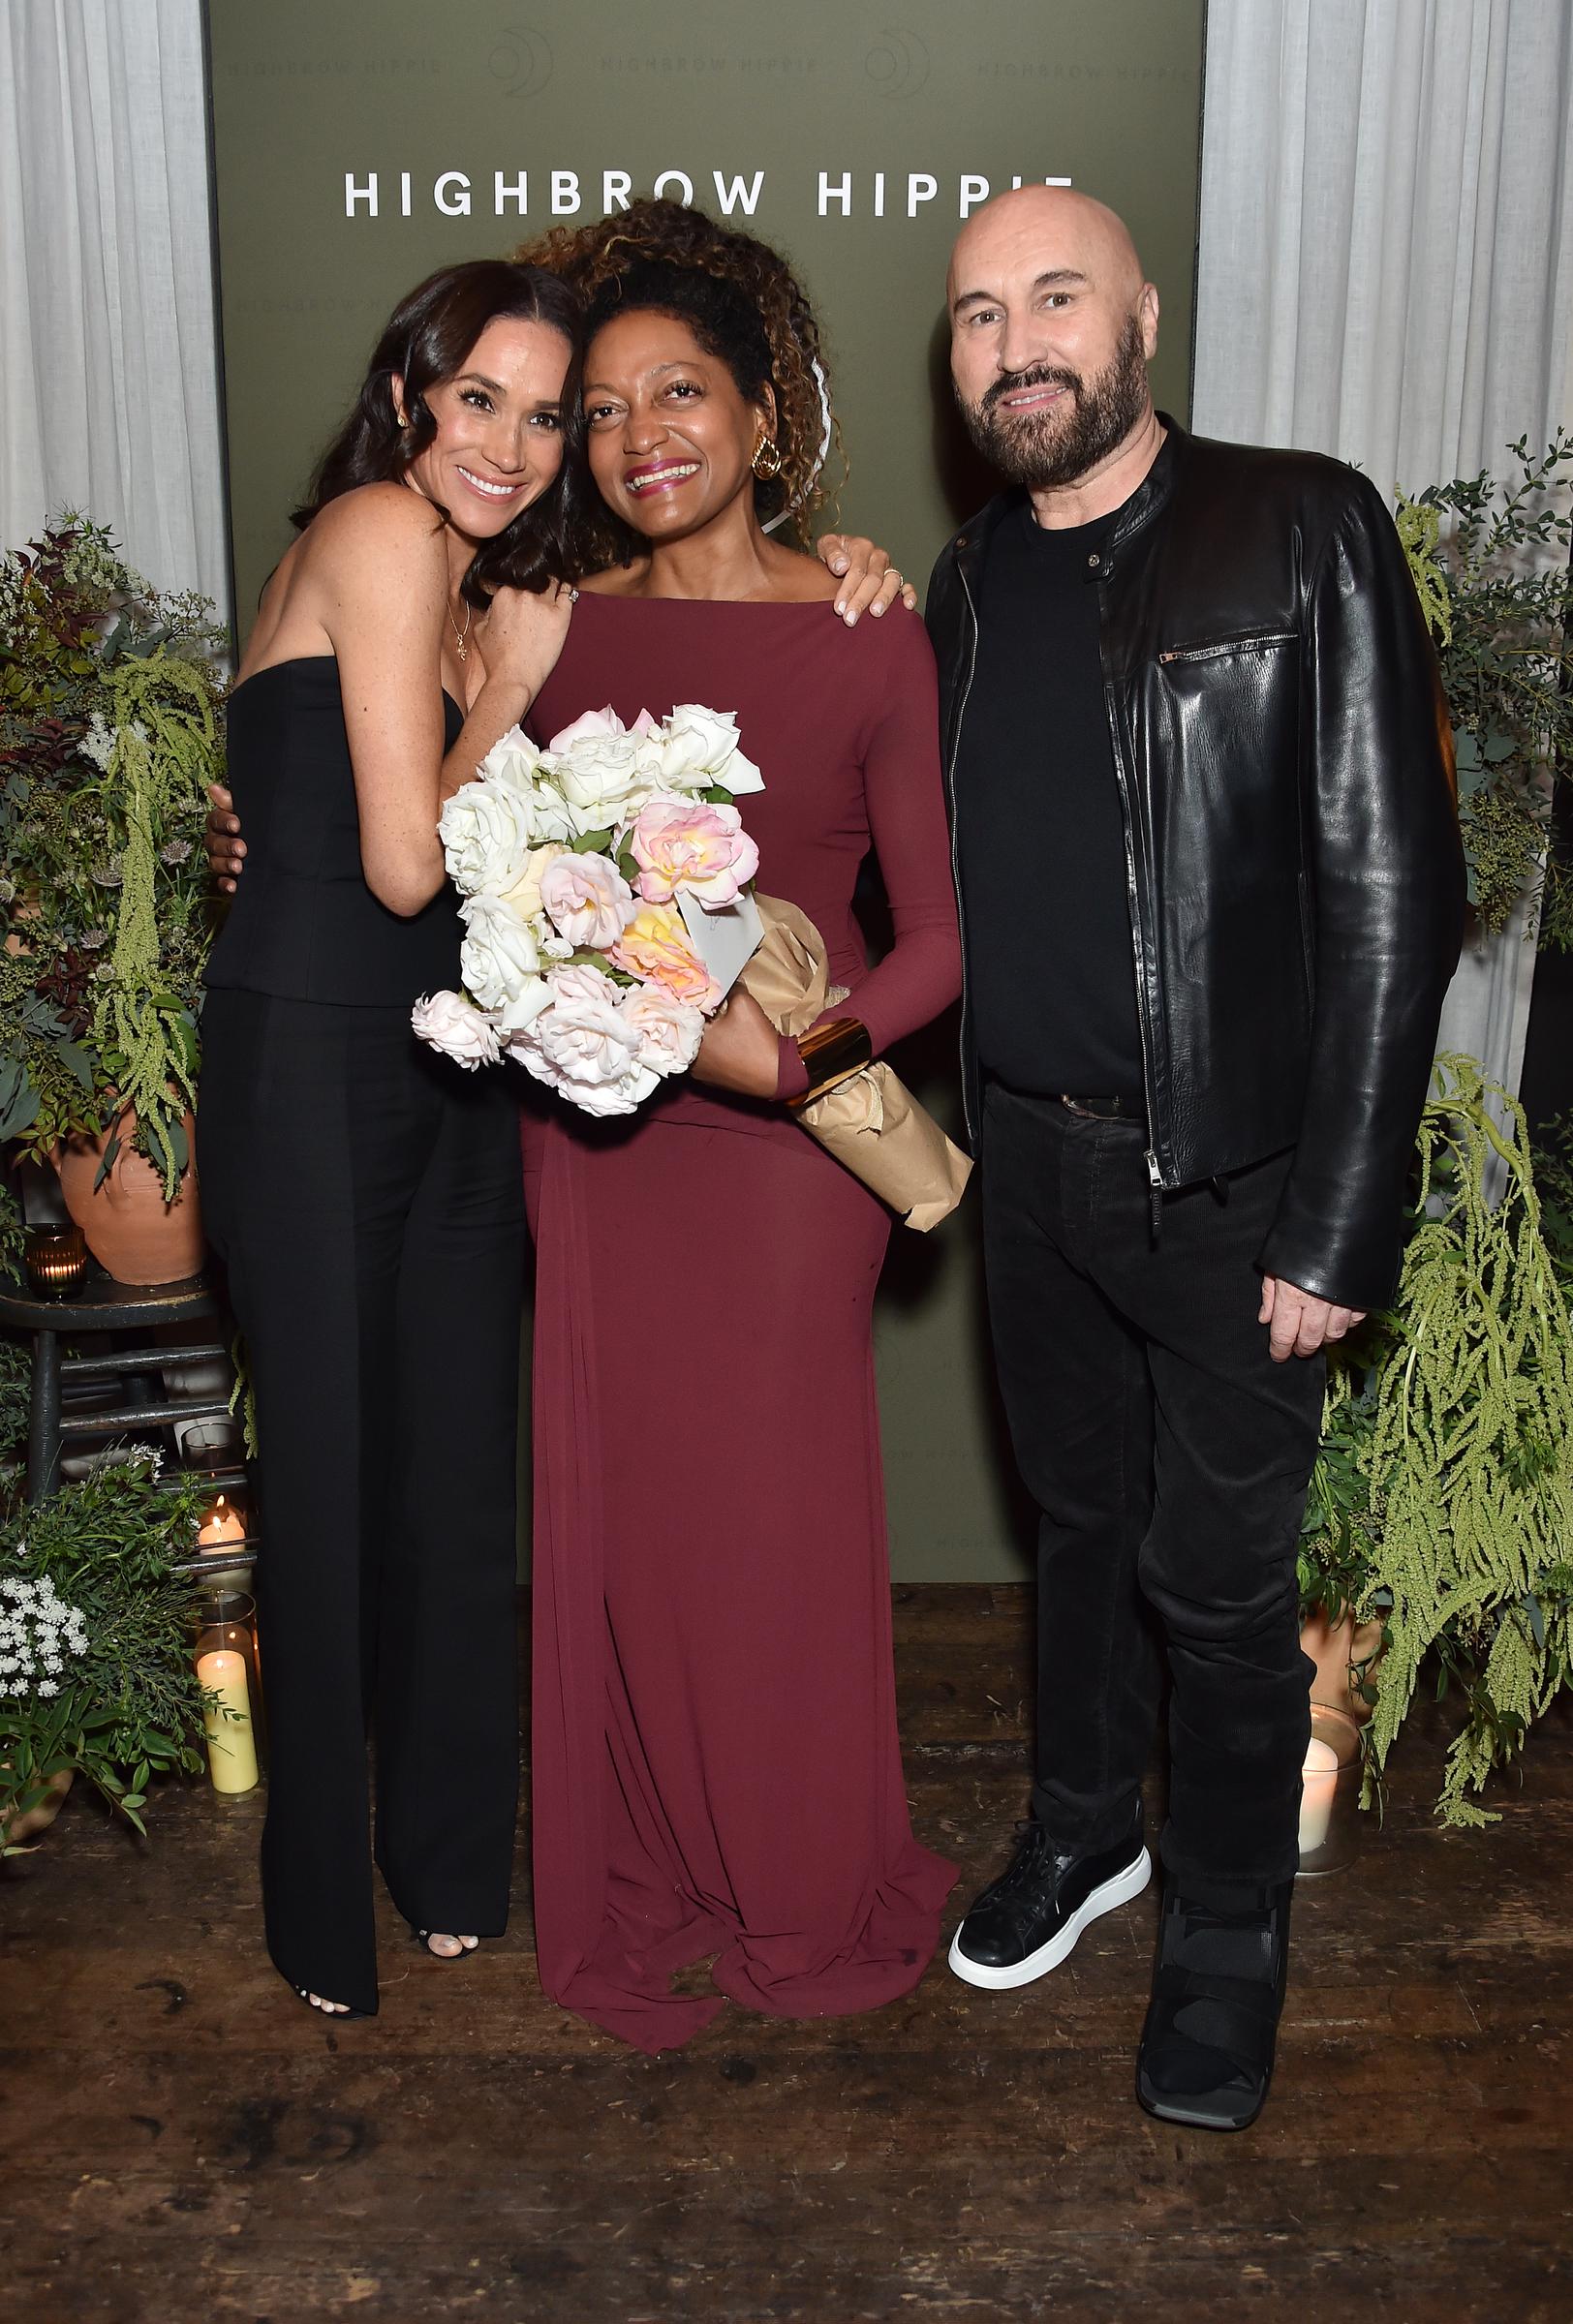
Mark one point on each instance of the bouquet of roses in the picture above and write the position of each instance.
(590, 871)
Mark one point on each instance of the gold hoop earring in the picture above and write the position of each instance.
(767, 463)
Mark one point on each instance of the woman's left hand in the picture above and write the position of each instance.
(741, 1049)
(870, 582)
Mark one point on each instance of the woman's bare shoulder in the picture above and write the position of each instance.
(375, 520)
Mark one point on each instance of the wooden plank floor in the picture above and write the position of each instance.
(182, 2142)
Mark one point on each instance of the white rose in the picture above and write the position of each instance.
(485, 829)
(500, 954)
(699, 747)
(669, 1031)
(513, 760)
(551, 823)
(599, 779)
(448, 1021)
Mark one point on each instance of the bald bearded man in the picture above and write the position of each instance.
(1212, 895)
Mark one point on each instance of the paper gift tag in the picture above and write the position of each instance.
(725, 941)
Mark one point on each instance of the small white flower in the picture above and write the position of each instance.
(48, 1685)
(98, 743)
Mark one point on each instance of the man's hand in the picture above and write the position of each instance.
(870, 582)
(1299, 1325)
(222, 838)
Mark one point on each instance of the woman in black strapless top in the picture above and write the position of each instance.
(365, 1192)
(362, 1190)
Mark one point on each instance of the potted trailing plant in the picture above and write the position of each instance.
(1442, 1508)
(96, 1669)
(110, 694)
(1490, 561)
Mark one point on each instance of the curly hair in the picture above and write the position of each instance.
(425, 341)
(744, 305)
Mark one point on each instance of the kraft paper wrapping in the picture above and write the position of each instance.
(871, 1122)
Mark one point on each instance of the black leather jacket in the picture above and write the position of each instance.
(1294, 872)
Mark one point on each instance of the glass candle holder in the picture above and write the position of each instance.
(226, 1653)
(56, 1261)
(223, 1536)
(1330, 1820)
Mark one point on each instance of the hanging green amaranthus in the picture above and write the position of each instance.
(1469, 1454)
(161, 760)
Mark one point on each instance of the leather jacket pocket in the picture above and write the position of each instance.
(1244, 641)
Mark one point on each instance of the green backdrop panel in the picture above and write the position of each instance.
(358, 145)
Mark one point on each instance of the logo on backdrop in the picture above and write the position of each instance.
(898, 64)
(521, 59)
(512, 193)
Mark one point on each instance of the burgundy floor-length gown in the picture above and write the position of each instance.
(716, 1765)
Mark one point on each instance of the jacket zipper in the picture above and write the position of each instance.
(955, 861)
(1154, 1175)
(1258, 643)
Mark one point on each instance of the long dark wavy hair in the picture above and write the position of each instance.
(426, 340)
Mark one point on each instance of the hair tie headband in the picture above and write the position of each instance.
(819, 457)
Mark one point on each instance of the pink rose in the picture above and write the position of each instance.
(669, 1030)
(586, 899)
(449, 1022)
(683, 844)
(582, 1047)
(592, 722)
(655, 946)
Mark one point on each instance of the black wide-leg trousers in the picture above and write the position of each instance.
(1169, 1457)
(365, 1195)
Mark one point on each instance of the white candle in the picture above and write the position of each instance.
(231, 1749)
(218, 1531)
(1318, 1781)
(221, 1524)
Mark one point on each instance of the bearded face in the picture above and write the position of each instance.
(1073, 435)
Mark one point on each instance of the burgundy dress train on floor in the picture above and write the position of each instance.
(716, 1765)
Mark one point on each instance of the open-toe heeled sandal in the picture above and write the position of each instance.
(340, 2009)
(424, 1938)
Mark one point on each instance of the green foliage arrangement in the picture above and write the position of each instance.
(110, 692)
(1442, 1501)
(1490, 561)
(96, 1672)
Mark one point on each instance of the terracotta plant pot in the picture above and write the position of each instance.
(132, 1233)
(1333, 1647)
(39, 1820)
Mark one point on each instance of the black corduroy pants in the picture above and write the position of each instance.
(366, 1197)
(1169, 1457)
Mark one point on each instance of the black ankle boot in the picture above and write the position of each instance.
(1206, 2056)
(1025, 1922)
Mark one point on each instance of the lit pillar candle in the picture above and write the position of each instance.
(223, 1527)
(231, 1747)
(1318, 1781)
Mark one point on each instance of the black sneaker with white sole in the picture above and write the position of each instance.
(1027, 1921)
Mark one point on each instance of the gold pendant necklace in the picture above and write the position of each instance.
(459, 635)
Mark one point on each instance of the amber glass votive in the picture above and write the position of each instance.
(56, 1261)
(1330, 1818)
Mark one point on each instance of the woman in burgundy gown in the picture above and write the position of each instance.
(717, 1769)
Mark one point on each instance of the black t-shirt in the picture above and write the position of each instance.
(1040, 837)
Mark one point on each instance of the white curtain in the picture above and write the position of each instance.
(109, 375)
(1386, 271)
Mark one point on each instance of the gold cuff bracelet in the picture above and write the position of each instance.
(832, 1053)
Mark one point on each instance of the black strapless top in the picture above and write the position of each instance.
(302, 924)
